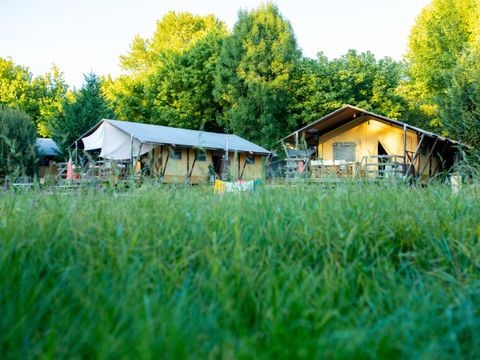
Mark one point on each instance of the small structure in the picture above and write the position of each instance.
(48, 154)
(172, 154)
(352, 142)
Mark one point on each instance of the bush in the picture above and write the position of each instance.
(17, 143)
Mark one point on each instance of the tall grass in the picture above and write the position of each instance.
(296, 272)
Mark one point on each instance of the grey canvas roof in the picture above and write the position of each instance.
(348, 113)
(156, 134)
(47, 147)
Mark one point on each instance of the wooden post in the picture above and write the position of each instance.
(188, 161)
(76, 153)
(429, 158)
(244, 165)
(193, 166)
(166, 163)
(404, 149)
(415, 155)
(132, 165)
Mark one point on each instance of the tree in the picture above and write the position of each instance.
(314, 90)
(459, 109)
(441, 34)
(49, 90)
(39, 97)
(81, 111)
(17, 143)
(253, 76)
(168, 78)
(322, 86)
(182, 90)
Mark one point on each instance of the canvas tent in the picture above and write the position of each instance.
(352, 141)
(129, 141)
(48, 153)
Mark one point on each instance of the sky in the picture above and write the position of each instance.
(82, 36)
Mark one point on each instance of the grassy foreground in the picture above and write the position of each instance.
(358, 272)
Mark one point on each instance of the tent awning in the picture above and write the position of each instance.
(114, 143)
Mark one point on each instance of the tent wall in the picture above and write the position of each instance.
(47, 169)
(176, 170)
(368, 134)
(250, 170)
(114, 143)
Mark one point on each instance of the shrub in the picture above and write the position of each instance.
(17, 143)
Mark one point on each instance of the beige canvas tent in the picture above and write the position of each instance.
(48, 153)
(352, 142)
(175, 155)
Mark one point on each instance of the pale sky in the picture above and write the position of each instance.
(81, 36)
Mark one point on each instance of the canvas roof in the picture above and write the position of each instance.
(108, 131)
(47, 147)
(346, 114)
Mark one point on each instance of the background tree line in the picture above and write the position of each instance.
(254, 81)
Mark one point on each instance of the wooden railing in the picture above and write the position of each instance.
(375, 166)
(381, 166)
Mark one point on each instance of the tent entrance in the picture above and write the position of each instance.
(220, 164)
(382, 153)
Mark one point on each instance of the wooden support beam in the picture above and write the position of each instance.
(417, 150)
(193, 165)
(429, 157)
(404, 148)
(439, 160)
(166, 163)
(188, 161)
(243, 169)
(132, 165)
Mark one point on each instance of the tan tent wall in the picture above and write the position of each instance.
(366, 133)
(177, 170)
(250, 171)
(48, 170)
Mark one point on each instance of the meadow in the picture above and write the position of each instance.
(289, 272)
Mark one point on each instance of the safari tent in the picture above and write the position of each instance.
(352, 142)
(48, 154)
(175, 155)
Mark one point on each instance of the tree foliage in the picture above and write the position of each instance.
(253, 76)
(169, 77)
(182, 90)
(322, 86)
(40, 97)
(82, 110)
(460, 107)
(17, 143)
(442, 33)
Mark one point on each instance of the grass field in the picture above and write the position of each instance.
(352, 272)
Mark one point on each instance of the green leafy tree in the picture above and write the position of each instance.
(314, 91)
(49, 90)
(17, 143)
(82, 110)
(256, 65)
(39, 97)
(168, 77)
(183, 89)
(322, 86)
(441, 34)
(459, 109)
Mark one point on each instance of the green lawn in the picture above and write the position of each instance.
(359, 272)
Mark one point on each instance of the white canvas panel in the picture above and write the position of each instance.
(95, 140)
(114, 143)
